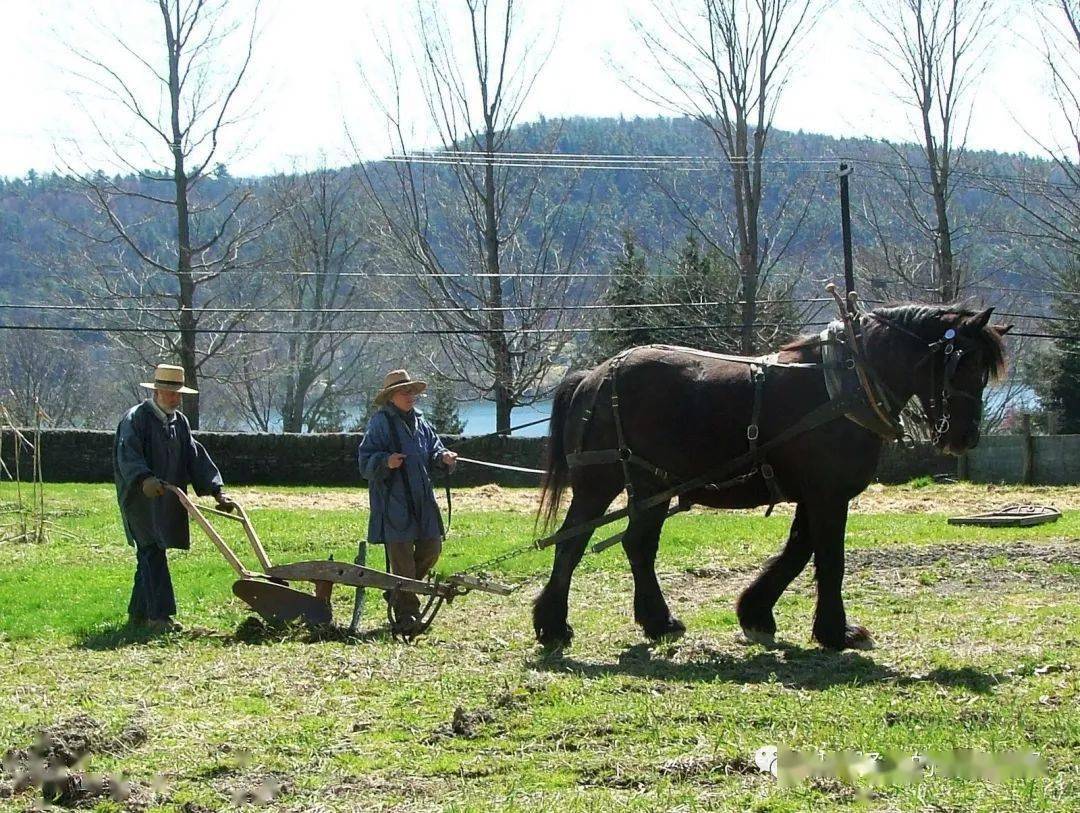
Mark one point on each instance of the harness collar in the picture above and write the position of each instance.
(837, 359)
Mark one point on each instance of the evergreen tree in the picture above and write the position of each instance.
(629, 287)
(1059, 384)
(705, 286)
(444, 415)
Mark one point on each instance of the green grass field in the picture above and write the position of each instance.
(978, 636)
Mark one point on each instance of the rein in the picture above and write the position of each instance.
(952, 354)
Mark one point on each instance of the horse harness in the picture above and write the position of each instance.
(855, 392)
(755, 456)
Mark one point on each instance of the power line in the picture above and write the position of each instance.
(418, 310)
(436, 310)
(971, 173)
(690, 166)
(686, 163)
(611, 156)
(1067, 337)
(1047, 291)
(418, 332)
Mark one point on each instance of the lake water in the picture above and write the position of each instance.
(479, 417)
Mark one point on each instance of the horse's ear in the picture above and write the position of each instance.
(979, 320)
(1001, 330)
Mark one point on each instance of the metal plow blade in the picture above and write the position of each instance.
(276, 602)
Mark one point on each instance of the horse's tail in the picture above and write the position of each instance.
(556, 471)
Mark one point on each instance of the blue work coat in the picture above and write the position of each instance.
(391, 519)
(145, 445)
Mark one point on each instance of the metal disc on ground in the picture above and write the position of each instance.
(276, 602)
(1011, 516)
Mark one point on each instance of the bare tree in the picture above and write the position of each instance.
(482, 236)
(1048, 195)
(53, 371)
(936, 51)
(182, 100)
(726, 63)
(309, 373)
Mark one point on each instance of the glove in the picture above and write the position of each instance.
(152, 487)
(225, 504)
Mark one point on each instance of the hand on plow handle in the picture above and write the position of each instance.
(152, 487)
(225, 503)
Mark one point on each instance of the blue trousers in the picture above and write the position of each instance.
(152, 594)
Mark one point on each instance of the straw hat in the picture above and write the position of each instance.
(169, 377)
(397, 380)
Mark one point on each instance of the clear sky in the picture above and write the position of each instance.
(307, 74)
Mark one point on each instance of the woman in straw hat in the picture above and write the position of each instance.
(397, 455)
(153, 446)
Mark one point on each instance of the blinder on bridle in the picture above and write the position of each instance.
(953, 349)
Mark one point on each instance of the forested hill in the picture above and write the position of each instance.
(605, 201)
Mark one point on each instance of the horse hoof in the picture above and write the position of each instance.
(754, 636)
(858, 637)
(555, 640)
(672, 630)
(855, 636)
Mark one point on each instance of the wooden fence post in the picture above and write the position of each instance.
(1029, 450)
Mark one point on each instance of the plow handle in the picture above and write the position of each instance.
(196, 514)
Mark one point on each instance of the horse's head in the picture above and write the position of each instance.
(952, 353)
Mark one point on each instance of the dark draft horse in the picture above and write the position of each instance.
(688, 413)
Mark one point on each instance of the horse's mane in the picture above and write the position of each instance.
(928, 322)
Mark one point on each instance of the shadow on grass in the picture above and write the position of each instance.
(258, 631)
(251, 631)
(791, 665)
(120, 634)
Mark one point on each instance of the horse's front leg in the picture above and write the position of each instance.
(640, 542)
(826, 522)
(551, 607)
(755, 605)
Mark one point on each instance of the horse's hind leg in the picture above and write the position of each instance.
(641, 540)
(551, 607)
(755, 605)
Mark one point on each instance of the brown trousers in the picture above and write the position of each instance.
(413, 560)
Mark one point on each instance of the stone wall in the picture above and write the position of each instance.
(73, 455)
(1036, 459)
(70, 455)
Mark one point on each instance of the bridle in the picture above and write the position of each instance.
(952, 347)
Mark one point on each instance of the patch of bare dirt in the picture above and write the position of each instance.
(1060, 553)
(692, 766)
(948, 498)
(960, 498)
(907, 568)
(49, 765)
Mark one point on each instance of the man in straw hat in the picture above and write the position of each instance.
(154, 446)
(397, 455)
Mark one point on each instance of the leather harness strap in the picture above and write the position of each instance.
(821, 414)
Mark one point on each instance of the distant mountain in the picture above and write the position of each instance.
(800, 177)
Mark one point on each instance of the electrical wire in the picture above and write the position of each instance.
(700, 163)
(485, 309)
(365, 332)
